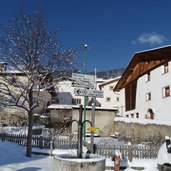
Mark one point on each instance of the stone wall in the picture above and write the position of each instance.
(103, 120)
(149, 132)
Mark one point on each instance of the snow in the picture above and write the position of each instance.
(162, 158)
(13, 159)
(143, 121)
(163, 155)
(18, 130)
(57, 106)
(63, 106)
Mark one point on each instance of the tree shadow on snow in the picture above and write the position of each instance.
(29, 169)
(12, 153)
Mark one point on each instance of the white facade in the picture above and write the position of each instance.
(154, 94)
(111, 99)
(66, 94)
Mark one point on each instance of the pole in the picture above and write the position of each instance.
(93, 116)
(79, 152)
(93, 120)
(85, 98)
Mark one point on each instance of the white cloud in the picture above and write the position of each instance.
(152, 38)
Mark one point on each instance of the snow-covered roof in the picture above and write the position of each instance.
(99, 108)
(59, 106)
(10, 72)
(64, 106)
(148, 50)
(143, 62)
(109, 81)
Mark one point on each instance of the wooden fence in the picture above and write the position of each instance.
(64, 143)
(37, 141)
(131, 151)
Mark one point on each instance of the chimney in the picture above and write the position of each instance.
(3, 66)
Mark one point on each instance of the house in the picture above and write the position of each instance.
(68, 104)
(16, 81)
(145, 85)
(65, 93)
(110, 99)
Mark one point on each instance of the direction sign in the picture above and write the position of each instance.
(83, 77)
(83, 84)
(88, 92)
(92, 129)
(79, 92)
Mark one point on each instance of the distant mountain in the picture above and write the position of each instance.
(101, 74)
(109, 73)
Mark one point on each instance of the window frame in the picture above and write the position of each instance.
(108, 99)
(166, 68)
(148, 77)
(148, 96)
(77, 100)
(111, 88)
(166, 91)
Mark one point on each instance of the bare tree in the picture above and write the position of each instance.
(34, 55)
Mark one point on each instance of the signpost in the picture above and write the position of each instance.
(88, 92)
(92, 129)
(83, 77)
(83, 82)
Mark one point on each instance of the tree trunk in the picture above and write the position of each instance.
(29, 135)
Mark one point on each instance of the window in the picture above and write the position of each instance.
(130, 96)
(111, 88)
(78, 101)
(148, 77)
(13, 80)
(165, 68)
(117, 99)
(166, 91)
(137, 115)
(148, 96)
(108, 99)
(132, 115)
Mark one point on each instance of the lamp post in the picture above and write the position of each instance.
(85, 98)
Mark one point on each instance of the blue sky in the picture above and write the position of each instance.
(113, 29)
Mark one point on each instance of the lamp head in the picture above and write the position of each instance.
(85, 45)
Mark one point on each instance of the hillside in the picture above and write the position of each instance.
(101, 74)
(109, 73)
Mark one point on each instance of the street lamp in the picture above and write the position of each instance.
(85, 98)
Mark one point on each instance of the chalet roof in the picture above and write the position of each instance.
(142, 63)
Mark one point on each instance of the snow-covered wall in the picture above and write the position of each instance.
(142, 130)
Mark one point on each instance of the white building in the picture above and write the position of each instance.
(111, 99)
(65, 93)
(145, 85)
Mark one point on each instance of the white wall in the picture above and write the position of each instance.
(66, 93)
(108, 93)
(160, 106)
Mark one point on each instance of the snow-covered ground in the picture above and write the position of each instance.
(12, 158)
